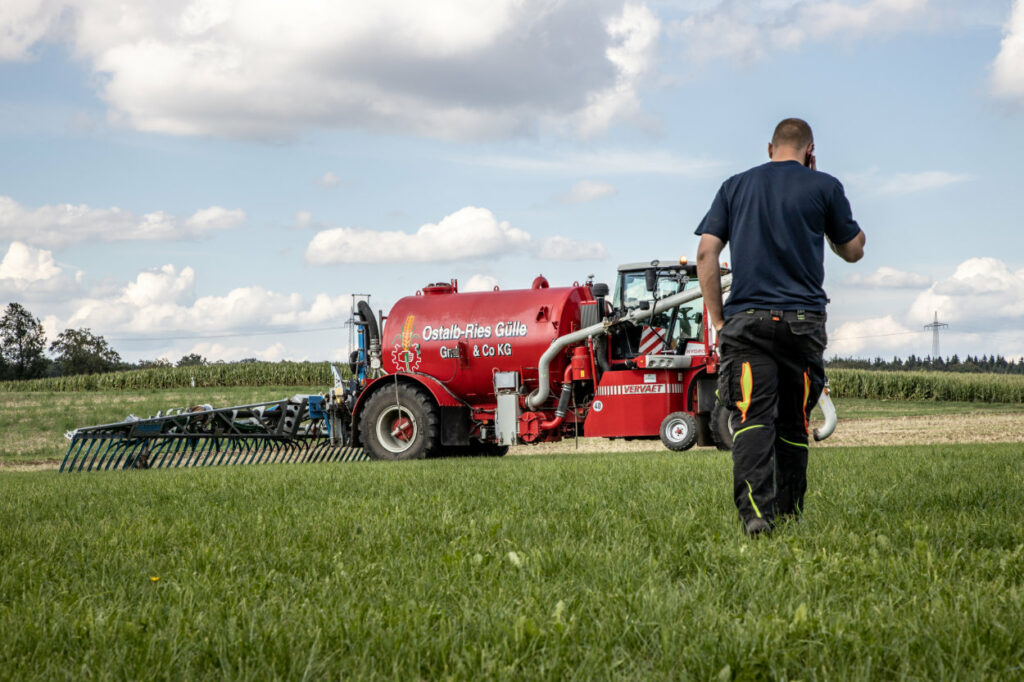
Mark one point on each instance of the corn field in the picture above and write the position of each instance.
(986, 388)
(846, 383)
(204, 376)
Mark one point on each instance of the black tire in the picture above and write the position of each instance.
(720, 428)
(400, 429)
(474, 449)
(679, 431)
(493, 450)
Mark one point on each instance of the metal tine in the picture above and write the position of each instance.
(119, 453)
(268, 446)
(226, 452)
(238, 453)
(71, 445)
(92, 444)
(190, 446)
(110, 456)
(201, 458)
(213, 449)
(251, 450)
(291, 453)
(130, 451)
(170, 452)
(99, 455)
(244, 452)
(162, 448)
(204, 446)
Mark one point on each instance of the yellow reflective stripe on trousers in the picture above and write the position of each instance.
(750, 496)
(746, 388)
(746, 428)
(807, 395)
(799, 445)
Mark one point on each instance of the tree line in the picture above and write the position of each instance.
(23, 350)
(992, 364)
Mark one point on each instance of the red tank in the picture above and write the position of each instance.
(461, 339)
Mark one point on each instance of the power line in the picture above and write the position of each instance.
(872, 336)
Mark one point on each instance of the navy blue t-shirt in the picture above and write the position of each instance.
(774, 217)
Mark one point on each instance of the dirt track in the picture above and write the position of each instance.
(921, 430)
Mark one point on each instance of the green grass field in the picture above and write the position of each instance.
(34, 422)
(909, 565)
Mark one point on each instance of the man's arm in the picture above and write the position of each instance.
(851, 252)
(710, 277)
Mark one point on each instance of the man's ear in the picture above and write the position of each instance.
(771, 150)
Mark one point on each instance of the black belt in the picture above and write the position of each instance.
(780, 314)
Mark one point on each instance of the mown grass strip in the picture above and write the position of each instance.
(910, 564)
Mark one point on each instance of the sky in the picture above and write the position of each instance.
(221, 176)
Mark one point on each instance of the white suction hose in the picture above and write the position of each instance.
(543, 390)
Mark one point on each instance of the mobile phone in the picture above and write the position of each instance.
(807, 159)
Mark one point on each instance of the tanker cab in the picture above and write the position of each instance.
(679, 331)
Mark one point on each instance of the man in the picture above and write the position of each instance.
(772, 330)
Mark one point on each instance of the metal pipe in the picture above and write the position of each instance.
(543, 390)
(563, 402)
(829, 410)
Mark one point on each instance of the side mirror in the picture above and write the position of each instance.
(651, 279)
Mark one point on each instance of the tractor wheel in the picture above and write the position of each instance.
(399, 424)
(494, 450)
(474, 449)
(679, 431)
(720, 428)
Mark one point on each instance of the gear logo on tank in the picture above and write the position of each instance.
(406, 354)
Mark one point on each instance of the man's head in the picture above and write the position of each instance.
(792, 140)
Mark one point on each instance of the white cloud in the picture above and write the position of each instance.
(328, 179)
(63, 224)
(587, 190)
(886, 277)
(232, 353)
(24, 264)
(907, 183)
(748, 31)
(635, 36)
(608, 162)
(468, 233)
(164, 285)
(1008, 67)
(880, 333)
(23, 23)
(982, 302)
(31, 274)
(561, 248)
(445, 68)
(163, 302)
(480, 283)
(982, 291)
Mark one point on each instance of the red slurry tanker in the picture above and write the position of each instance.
(450, 373)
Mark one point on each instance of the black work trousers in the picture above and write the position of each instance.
(771, 375)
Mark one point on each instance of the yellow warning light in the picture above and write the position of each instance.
(683, 260)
